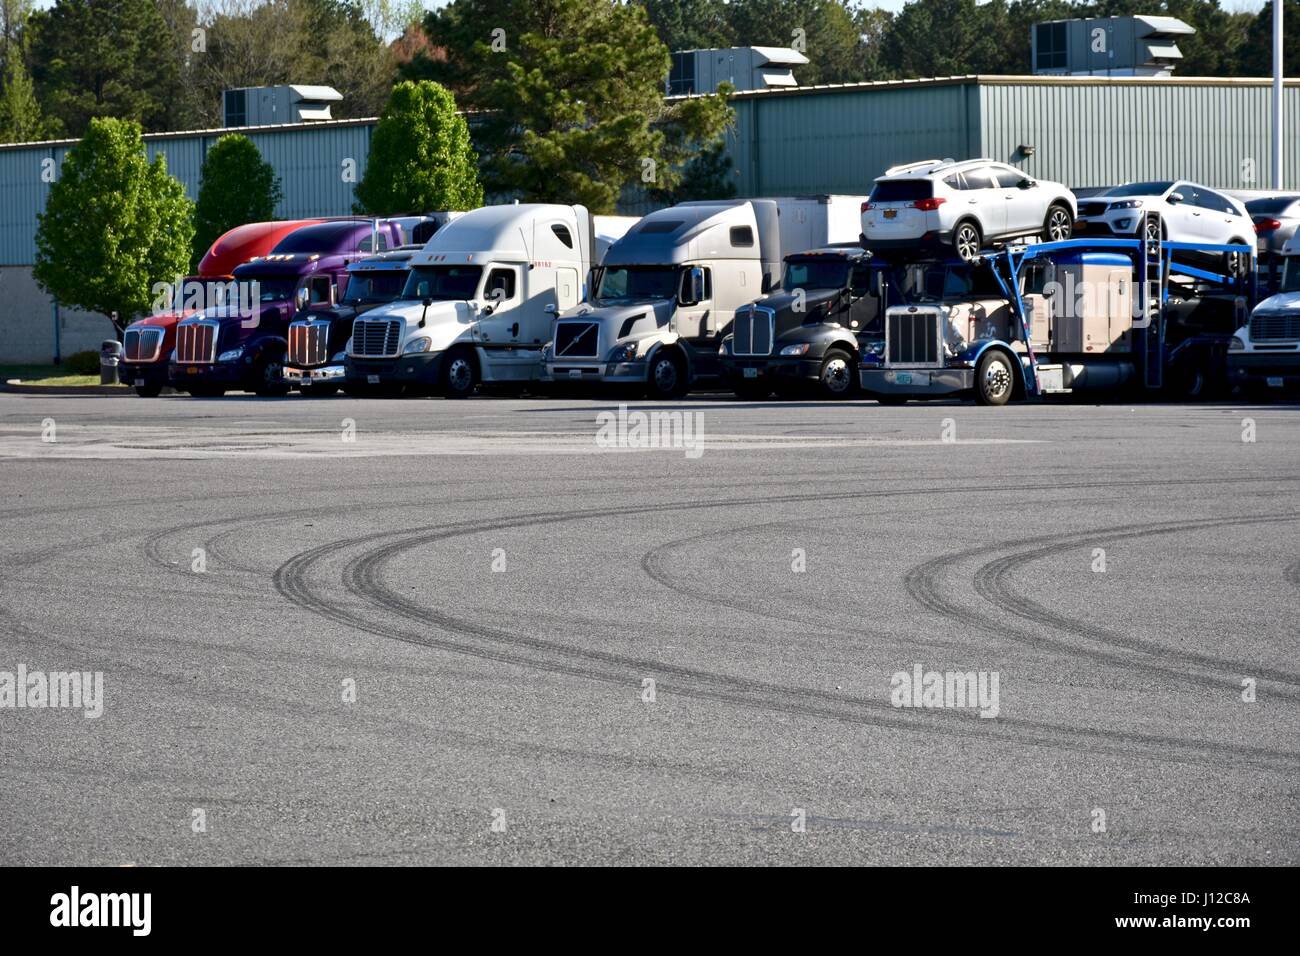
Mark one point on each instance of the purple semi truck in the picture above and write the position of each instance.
(239, 344)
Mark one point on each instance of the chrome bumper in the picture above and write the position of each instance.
(332, 374)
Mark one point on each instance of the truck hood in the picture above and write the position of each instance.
(788, 318)
(1282, 302)
(624, 320)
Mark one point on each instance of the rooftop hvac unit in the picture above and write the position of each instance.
(273, 105)
(744, 67)
(1108, 46)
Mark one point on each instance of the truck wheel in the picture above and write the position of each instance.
(667, 378)
(966, 240)
(459, 376)
(1058, 226)
(835, 380)
(268, 378)
(993, 381)
(148, 391)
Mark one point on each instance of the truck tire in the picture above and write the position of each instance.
(148, 391)
(1058, 226)
(666, 377)
(459, 375)
(994, 380)
(268, 378)
(966, 240)
(835, 380)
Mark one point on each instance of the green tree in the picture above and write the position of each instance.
(101, 58)
(823, 30)
(114, 225)
(20, 113)
(421, 157)
(1256, 53)
(236, 186)
(690, 24)
(572, 98)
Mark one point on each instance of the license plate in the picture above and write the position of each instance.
(306, 376)
(191, 371)
(751, 373)
(1275, 381)
(372, 379)
(139, 383)
(575, 373)
(891, 213)
(903, 378)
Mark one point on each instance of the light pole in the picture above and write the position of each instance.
(1277, 93)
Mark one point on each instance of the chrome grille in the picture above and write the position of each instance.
(1275, 326)
(142, 345)
(912, 338)
(752, 331)
(577, 340)
(309, 344)
(376, 338)
(196, 342)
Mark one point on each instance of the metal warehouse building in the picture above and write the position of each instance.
(1083, 131)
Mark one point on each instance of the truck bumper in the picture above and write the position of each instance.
(228, 374)
(307, 377)
(1280, 370)
(773, 369)
(143, 374)
(594, 371)
(922, 381)
(420, 368)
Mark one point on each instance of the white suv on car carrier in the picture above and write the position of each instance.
(965, 205)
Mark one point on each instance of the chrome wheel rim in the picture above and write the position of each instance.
(835, 376)
(997, 379)
(460, 375)
(968, 245)
(1058, 226)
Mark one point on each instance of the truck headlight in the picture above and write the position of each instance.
(625, 353)
(340, 356)
(234, 355)
(724, 348)
(418, 344)
(546, 351)
(800, 349)
(1236, 345)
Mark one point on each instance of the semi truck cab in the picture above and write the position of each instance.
(1264, 354)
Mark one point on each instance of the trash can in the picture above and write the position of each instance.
(110, 355)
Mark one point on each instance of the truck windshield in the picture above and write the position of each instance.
(637, 282)
(366, 287)
(1290, 274)
(272, 288)
(815, 274)
(443, 282)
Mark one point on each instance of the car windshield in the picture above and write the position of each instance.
(637, 282)
(442, 282)
(1138, 189)
(1290, 274)
(272, 288)
(902, 190)
(815, 274)
(364, 287)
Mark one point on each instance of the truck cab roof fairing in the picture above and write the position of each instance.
(502, 233)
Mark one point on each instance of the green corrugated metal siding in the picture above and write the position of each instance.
(1094, 134)
(836, 141)
(308, 159)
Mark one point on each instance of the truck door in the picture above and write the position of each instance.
(692, 320)
(504, 335)
(864, 312)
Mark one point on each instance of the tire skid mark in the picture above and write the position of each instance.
(362, 574)
(924, 583)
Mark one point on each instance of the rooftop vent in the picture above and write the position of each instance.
(271, 105)
(1108, 46)
(744, 67)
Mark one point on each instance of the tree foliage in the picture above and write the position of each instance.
(114, 224)
(236, 186)
(421, 157)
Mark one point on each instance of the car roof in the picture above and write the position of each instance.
(933, 167)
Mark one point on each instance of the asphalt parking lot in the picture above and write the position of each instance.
(341, 631)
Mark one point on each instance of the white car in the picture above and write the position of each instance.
(1188, 213)
(965, 205)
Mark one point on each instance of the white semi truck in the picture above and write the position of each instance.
(1264, 355)
(666, 295)
(478, 303)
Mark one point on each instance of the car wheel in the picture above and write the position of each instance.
(966, 240)
(1152, 229)
(667, 376)
(1235, 262)
(148, 391)
(993, 379)
(459, 374)
(835, 380)
(1058, 226)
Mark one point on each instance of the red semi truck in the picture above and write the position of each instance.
(148, 343)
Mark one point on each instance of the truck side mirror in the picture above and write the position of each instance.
(693, 286)
(301, 298)
(550, 308)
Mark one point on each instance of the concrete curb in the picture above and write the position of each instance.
(25, 389)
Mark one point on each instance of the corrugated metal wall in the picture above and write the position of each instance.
(1103, 132)
(838, 141)
(310, 161)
